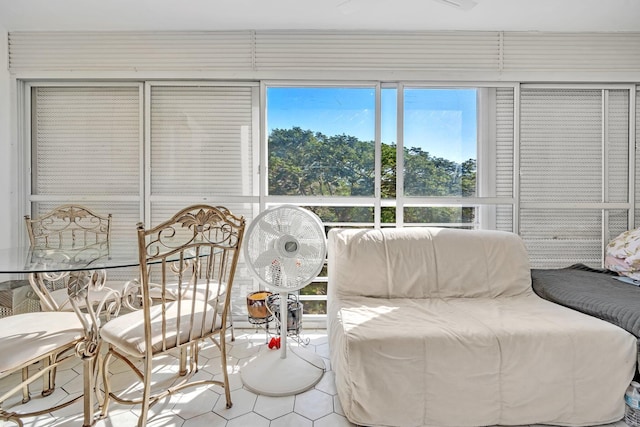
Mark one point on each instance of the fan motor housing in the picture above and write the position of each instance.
(287, 246)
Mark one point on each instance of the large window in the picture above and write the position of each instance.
(554, 164)
(323, 150)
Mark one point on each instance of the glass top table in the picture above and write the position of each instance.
(50, 260)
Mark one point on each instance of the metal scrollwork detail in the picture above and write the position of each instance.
(204, 224)
(132, 295)
(88, 348)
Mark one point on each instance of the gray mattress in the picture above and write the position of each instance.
(592, 291)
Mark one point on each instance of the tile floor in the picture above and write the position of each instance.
(204, 406)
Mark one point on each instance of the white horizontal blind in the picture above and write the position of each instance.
(329, 50)
(86, 140)
(574, 149)
(561, 161)
(528, 51)
(86, 149)
(125, 50)
(557, 238)
(561, 145)
(617, 145)
(483, 54)
(86, 144)
(504, 155)
(201, 141)
(617, 159)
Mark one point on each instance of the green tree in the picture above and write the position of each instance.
(307, 163)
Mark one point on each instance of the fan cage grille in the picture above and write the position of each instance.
(266, 237)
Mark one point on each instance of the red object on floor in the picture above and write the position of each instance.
(274, 343)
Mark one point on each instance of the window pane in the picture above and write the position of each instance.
(315, 288)
(440, 142)
(343, 214)
(388, 215)
(321, 141)
(314, 307)
(450, 216)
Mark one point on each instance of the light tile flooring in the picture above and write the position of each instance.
(204, 406)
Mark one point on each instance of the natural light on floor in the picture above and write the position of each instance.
(203, 406)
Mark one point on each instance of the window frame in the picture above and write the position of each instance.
(260, 200)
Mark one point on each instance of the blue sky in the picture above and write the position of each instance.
(440, 121)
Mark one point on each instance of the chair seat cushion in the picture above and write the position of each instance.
(61, 297)
(127, 331)
(28, 337)
(171, 291)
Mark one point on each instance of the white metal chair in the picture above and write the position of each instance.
(72, 229)
(193, 253)
(171, 290)
(53, 337)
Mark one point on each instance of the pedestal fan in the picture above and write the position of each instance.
(285, 248)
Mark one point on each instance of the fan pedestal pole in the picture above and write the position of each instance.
(282, 373)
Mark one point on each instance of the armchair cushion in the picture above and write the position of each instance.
(404, 263)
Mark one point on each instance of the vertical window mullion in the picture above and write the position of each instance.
(377, 220)
(400, 158)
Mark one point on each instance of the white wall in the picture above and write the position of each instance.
(6, 167)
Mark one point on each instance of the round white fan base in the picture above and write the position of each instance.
(271, 375)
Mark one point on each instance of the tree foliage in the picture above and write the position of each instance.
(307, 163)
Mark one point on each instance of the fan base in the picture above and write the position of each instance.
(271, 375)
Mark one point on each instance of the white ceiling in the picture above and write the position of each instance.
(211, 15)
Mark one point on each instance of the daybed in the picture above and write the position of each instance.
(593, 291)
(440, 327)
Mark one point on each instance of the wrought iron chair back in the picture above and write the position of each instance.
(69, 227)
(187, 268)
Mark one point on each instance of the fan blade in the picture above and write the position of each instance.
(266, 258)
(296, 222)
(307, 251)
(268, 228)
(290, 267)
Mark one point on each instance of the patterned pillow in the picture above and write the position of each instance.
(623, 254)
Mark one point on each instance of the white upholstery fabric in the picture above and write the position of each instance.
(30, 336)
(404, 263)
(454, 336)
(127, 331)
(61, 297)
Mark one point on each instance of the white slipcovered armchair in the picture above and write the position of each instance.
(440, 327)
